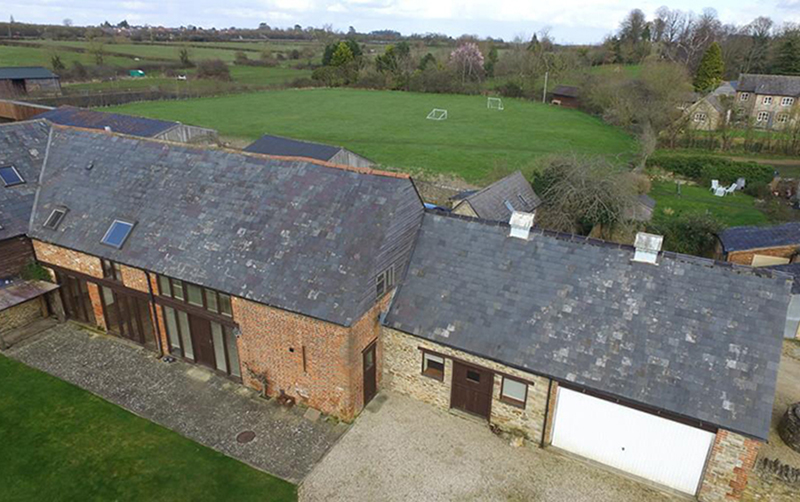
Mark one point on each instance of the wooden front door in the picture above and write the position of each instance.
(472, 389)
(202, 341)
(370, 374)
(75, 296)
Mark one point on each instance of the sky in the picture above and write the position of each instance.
(569, 21)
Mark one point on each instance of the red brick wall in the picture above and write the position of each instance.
(68, 259)
(732, 459)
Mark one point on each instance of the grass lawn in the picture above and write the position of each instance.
(60, 442)
(38, 56)
(731, 210)
(390, 127)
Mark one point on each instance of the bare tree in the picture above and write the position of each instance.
(67, 22)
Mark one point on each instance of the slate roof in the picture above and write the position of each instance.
(295, 235)
(742, 238)
(21, 291)
(91, 119)
(779, 85)
(698, 338)
(23, 145)
(566, 90)
(793, 269)
(489, 203)
(288, 147)
(25, 72)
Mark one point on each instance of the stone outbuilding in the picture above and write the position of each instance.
(760, 246)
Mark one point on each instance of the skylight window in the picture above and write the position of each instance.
(10, 176)
(55, 218)
(117, 233)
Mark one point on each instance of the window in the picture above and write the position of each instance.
(211, 300)
(385, 281)
(767, 100)
(55, 218)
(194, 295)
(699, 117)
(10, 176)
(163, 286)
(225, 305)
(117, 233)
(433, 366)
(744, 96)
(111, 270)
(762, 117)
(219, 346)
(787, 101)
(473, 376)
(782, 118)
(177, 289)
(514, 392)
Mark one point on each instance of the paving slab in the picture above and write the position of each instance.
(192, 401)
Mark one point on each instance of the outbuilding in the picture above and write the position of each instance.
(22, 80)
(280, 146)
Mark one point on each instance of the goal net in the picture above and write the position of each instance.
(437, 114)
(494, 103)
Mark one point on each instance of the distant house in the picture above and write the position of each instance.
(288, 147)
(565, 95)
(760, 246)
(22, 80)
(770, 101)
(128, 124)
(497, 201)
(706, 113)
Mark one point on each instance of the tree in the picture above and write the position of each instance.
(580, 193)
(183, 55)
(427, 60)
(97, 50)
(67, 22)
(123, 24)
(491, 61)
(342, 55)
(56, 63)
(327, 55)
(788, 57)
(468, 62)
(693, 234)
(709, 74)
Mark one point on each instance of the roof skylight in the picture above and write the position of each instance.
(55, 218)
(10, 176)
(117, 233)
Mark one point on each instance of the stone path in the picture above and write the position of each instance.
(185, 398)
(401, 449)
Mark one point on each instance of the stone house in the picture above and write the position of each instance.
(770, 101)
(654, 363)
(760, 246)
(18, 81)
(280, 146)
(497, 201)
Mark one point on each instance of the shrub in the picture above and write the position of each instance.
(35, 272)
(511, 89)
(213, 69)
(704, 168)
(694, 234)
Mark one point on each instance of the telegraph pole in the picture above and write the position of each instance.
(544, 91)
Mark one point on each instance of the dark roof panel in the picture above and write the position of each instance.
(742, 238)
(91, 119)
(691, 336)
(566, 90)
(23, 145)
(492, 202)
(288, 147)
(292, 234)
(25, 72)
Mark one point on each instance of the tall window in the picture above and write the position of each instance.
(762, 117)
(111, 270)
(385, 281)
(179, 333)
(744, 96)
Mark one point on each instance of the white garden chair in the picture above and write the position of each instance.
(714, 185)
(720, 192)
(731, 189)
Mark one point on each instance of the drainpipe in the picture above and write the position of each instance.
(546, 411)
(154, 311)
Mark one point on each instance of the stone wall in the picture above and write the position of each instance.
(729, 465)
(746, 257)
(402, 368)
(22, 314)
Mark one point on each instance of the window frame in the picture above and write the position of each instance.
(511, 400)
(48, 222)
(16, 172)
(787, 101)
(386, 280)
(111, 270)
(765, 113)
(204, 295)
(744, 96)
(766, 100)
(782, 118)
(111, 227)
(434, 375)
(700, 116)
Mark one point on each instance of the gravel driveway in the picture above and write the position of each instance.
(400, 449)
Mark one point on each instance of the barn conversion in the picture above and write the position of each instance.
(322, 284)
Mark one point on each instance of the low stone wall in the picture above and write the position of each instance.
(21, 315)
(402, 366)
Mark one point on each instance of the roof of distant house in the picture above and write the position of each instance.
(22, 145)
(297, 235)
(566, 90)
(779, 85)
(493, 201)
(288, 147)
(742, 238)
(91, 119)
(25, 73)
(697, 338)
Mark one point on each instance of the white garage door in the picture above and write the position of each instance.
(642, 444)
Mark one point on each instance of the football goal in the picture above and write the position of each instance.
(494, 103)
(437, 114)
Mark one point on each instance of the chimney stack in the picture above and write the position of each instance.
(647, 247)
(521, 224)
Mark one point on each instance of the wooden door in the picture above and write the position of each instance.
(75, 297)
(202, 341)
(472, 389)
(370, 374)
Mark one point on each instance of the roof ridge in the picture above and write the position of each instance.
(360, 170)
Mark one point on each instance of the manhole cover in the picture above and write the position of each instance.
(245, 437)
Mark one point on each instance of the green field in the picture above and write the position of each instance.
(731, 210)
(60, 442)
(390, 127)
(39, 56)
